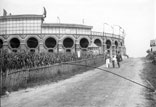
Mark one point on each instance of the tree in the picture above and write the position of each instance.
(148, 51)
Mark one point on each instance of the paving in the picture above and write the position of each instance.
(94, 88)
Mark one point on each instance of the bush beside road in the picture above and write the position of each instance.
(149, 75)
(31, 69)
(21, 60)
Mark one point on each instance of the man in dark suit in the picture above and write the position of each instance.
(118, 58)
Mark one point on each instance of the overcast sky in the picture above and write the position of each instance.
(137, 17)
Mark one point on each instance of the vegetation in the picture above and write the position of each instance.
(149, 73)
(151, 56)
(23, 60)
(20, 60)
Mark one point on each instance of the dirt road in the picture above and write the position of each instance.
(94, 88)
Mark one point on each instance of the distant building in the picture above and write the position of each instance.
(29, 32)
(153, 45)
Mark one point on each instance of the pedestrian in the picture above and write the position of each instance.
(113, 61)
(107, 60)
(118, 58)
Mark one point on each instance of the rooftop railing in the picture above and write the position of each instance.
(94, 33)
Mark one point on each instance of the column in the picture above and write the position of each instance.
(59, 46)
(41, 47)
(77, 47)
(23, 47)
(104, 47)
(113, 48)
(6, 47)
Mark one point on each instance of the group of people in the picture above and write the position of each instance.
(112, 60)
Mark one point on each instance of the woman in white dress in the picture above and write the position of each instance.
(107, 60)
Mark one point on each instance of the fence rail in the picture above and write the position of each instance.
(15, 79)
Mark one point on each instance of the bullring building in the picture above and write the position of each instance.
(29, 32)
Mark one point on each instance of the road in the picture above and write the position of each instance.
(94, 88)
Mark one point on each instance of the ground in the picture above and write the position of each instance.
(94, 88)
(149, 76)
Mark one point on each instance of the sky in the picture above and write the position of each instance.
(136, 17)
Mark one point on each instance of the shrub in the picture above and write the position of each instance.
(20, 60)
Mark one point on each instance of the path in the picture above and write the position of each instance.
(94, 88)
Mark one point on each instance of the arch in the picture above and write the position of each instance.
(108, 44)
(50, 42)
(98, 42)
(1, 43)
(68, 42)
(32, 42)
(84, 43)
(116, 44)
(14, 43)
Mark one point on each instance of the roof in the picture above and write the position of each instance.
(66, 25)
(153, 42)
(21, 16)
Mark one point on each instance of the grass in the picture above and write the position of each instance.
(36, 81)
(149, 74)
(61, 76)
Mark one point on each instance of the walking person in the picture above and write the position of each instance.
(118, 58)
(107, 60)
(113, 61)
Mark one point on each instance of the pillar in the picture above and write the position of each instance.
(41, 47)
(6, 47)
(59, 46)
(77, 46)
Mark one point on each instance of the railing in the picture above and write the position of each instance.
(94, 33)
(109, 34)
(15, 79)
(97, 33)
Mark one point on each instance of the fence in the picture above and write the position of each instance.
(15, 79)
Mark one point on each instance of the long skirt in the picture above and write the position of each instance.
(107, 63)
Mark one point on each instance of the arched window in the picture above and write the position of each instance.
(32, 42)
(84, 43)
(68, 43)
(14, 43)
(98, 42)
(108, 44)
(116, 44)
(50, 42)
